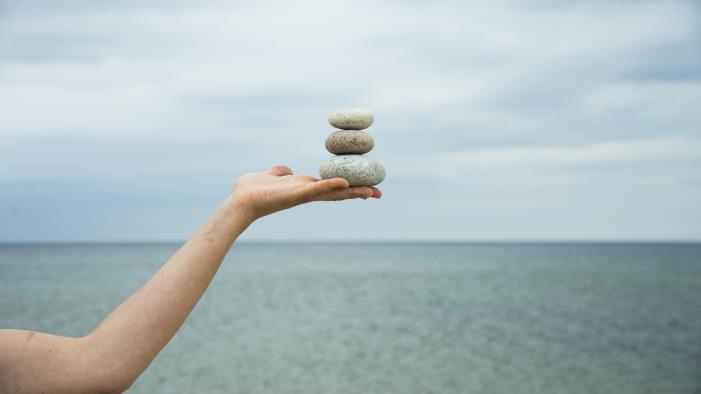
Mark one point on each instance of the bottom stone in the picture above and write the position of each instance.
(358, 170)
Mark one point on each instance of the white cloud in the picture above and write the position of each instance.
(123, 68)
(669, 100)
(675, 148)
(546, 93)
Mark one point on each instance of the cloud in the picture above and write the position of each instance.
(467, 96)
(673, 148)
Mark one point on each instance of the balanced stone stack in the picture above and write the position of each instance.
(350, 145)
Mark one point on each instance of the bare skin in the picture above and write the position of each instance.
(111, 358)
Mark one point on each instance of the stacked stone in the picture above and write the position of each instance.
(350, 145)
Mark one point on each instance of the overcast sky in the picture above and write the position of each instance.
(522, 120)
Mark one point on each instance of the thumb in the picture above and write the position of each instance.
(279, 170)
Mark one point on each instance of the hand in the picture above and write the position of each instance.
(262, 193)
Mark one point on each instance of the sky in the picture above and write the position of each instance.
(495, 120)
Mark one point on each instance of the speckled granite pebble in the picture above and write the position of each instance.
(358, 170)
(351, 119)
(349, 141)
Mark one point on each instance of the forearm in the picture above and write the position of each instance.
(111, 357)
(133, 334)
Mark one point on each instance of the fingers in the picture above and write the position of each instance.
(306, 178)
(279, 170)
(311, 190)
(349, 193)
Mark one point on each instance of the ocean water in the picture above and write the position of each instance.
(393, 317)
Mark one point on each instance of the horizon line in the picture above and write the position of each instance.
(337, 241)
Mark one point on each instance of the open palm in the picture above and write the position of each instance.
(278, 189)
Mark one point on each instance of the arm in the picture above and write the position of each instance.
(111, 357)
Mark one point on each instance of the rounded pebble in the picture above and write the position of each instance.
(358, 170)
(351, 119)
(349, 142)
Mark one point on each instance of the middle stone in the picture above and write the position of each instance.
(349, 142)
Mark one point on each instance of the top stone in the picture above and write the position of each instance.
(351, 119)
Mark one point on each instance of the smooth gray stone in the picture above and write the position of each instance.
(358, 170)
(349, 142)
(351, 119)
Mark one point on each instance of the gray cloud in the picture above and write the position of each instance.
(543, 119)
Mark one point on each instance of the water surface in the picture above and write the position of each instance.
(393, 317)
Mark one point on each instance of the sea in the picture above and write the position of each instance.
(405, 317)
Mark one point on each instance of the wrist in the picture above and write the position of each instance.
(240, 208)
